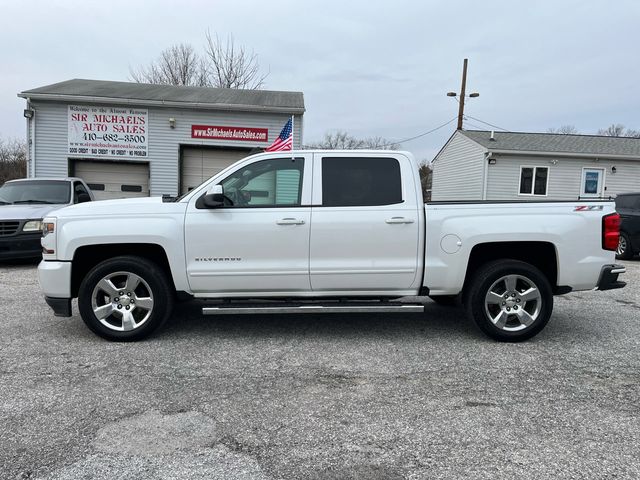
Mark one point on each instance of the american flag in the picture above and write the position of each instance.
(284, 140)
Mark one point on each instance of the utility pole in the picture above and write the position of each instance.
(463, 90)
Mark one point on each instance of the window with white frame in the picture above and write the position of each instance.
(592, 182)
(533, 180)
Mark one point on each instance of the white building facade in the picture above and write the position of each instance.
(128, 139)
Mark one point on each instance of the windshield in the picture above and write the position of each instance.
(36, 191)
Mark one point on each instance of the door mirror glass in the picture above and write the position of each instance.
(83, 197)
(214, 198)
(216, 190)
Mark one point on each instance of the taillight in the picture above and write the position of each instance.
(610, 231)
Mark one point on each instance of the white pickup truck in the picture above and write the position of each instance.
(323, 231)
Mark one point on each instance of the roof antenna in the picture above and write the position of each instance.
(493, 137)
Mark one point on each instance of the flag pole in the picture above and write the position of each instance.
(292, 137)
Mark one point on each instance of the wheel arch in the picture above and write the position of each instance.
(542, 255)
(88, 256)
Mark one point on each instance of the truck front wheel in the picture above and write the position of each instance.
(509, 300)
(125, 298)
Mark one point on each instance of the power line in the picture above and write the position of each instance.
(474, 125)
(418, 136)
(487, 123)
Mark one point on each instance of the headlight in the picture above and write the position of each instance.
(32, 226)
(47, 228)
(47, 241)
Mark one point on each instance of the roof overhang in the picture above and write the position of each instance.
(160, 103)
(595, 156)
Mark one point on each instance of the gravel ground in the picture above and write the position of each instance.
(320, 397)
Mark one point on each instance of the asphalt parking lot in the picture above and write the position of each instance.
(320, 397)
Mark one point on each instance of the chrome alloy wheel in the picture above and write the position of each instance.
(122, 301)
(622, 246)
(513, 303)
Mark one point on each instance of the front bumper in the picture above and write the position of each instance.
(55, 282)
(23, 245)
(55, 278)
(609, 277)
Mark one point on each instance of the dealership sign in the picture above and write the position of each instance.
(214, 132)
(108, 131)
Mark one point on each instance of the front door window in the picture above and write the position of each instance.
(272, 183)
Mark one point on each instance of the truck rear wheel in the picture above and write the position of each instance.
(125, 298)
(509, 300)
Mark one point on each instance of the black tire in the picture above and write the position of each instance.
(446, 300)
(625, 250)
(153, 293)
(518, 316)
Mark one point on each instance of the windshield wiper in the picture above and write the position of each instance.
(32, 201)
(2, 202)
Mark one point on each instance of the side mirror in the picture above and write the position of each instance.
(214, 198)
(83, 197)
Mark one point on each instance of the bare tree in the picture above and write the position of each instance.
(231, 66)
(564, 130)
(613, 130)
(619, 130)
(222, 64)
(426, 177)
(177, 65)
(13, 160)
(341, 140)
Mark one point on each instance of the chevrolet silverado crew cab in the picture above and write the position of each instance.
(23, 204)
(323, 231)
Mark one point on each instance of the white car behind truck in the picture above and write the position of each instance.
(323, 231)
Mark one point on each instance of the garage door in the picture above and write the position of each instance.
(109, 180)
(199, 164)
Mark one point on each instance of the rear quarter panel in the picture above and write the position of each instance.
(575, 235)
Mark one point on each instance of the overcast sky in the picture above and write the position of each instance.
(368, 67)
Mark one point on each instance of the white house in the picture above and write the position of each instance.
(483, 165)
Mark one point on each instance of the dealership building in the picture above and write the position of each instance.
(131, 139)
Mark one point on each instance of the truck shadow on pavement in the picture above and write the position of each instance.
(28, 262)
(436, 321)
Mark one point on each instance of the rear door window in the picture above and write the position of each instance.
(360, 181)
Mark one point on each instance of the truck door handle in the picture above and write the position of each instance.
(399, 220)
(290, 221)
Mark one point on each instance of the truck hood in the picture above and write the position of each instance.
(27, 211)
(126, 206)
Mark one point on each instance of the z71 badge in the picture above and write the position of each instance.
(587, 208)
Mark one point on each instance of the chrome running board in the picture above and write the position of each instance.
(260, 310)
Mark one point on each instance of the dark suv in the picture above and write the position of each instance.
(628, 206)
(23, 205)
